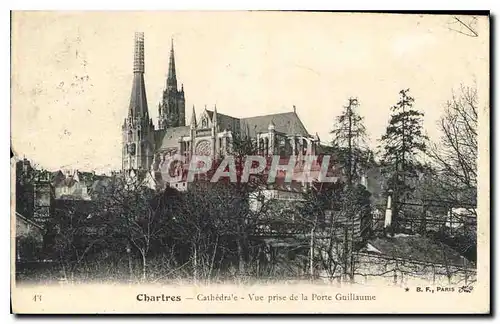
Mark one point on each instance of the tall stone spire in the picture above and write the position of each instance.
(138, 103)
(172, 110)
(171, 78)
(138, 130)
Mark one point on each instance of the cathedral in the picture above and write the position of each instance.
(146, 146)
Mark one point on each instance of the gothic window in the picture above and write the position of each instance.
(130, 136)
(203, 148)
(131, 148)
(282, 146)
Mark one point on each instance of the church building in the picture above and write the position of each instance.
(145, 147)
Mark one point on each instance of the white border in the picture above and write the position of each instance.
(179, 5)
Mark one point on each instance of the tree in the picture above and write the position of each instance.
(455, 156)
(193, 228)
(350, 140)
(402, 143)
(454, 159)
(78, 232)
(338, 219)
(464, 25)
(213, 220)
(244, 218)
(350, 145)
(136, 215)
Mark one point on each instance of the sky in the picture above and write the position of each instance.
(71, 73)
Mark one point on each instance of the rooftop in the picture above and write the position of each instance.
(416, 248)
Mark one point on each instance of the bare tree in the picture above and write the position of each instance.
(77, 232)
(464, 25)
(455, 156)
(194, 226)
(135, 213)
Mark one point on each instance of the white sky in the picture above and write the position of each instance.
(247, 63)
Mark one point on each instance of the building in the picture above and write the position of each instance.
(146, 147)
(25, 188)
(29, 238)
(34, 192)
(72, 184)
(39, 191)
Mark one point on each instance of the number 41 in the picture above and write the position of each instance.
(37, 298)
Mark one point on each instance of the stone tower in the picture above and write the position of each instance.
(172, 109)
(138, 129)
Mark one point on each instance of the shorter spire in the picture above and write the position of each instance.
(172, 77)
(214, 118)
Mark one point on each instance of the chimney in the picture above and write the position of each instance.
(294, 109)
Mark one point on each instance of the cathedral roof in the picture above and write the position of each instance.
(226, 122)
(169, 138)
(287, 123)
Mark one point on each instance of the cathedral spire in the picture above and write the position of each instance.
(138, 103)
(172, 111)
(137, 130)
(171, 78)
(193, 118)
(214, 118)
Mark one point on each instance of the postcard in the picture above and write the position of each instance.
(244, 162)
